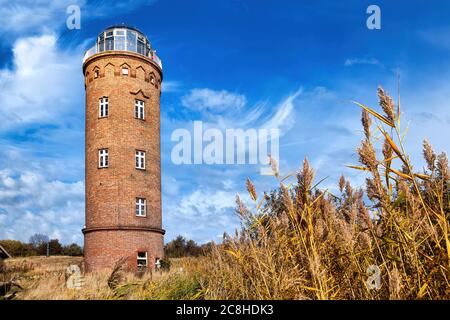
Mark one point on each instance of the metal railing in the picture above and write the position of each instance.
(151, 55)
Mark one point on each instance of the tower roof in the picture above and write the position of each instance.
(123, 37)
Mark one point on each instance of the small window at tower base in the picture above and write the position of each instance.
(142, 260)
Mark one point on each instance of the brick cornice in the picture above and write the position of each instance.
(124, 54)
(116, 228)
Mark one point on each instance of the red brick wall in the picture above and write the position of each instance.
(103, 248)
(111, 192)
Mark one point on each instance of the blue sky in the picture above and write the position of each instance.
(230, 64)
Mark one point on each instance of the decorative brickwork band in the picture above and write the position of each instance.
(145, 229)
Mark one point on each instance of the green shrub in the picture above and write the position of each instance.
(164, 265)
(178, 287)
(72, 250)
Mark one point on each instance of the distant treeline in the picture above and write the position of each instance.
(40, 245)
(181, 247)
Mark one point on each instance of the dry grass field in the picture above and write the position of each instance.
(45, 278)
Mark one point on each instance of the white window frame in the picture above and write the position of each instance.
(142, 259)
(139, 109)
(140, 159)
(120, 32)
(141, 207)
(103, 107)
(103, 158)
(125, 71)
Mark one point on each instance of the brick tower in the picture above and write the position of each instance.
(123, 169)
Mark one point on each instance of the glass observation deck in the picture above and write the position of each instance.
(123, 38)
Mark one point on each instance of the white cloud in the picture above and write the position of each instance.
(43, 90)
(207, 99)
(30, 203)
(228, 184)
(31, 16)
(205, 203)
(354, 61)
(171, 86)
(201, 214)
(43, 84)
(425, 114)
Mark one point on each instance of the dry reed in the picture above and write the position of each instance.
(305, 243)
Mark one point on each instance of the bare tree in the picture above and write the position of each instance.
(38, 239)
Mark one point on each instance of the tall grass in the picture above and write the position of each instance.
(302, 242)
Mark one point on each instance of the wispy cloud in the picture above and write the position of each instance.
(438, 37)
(283, 118)
(171, 86)
(212, 100)
(227, 110)
(356, 61)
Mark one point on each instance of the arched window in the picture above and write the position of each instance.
(139, 109)
(103, 107)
